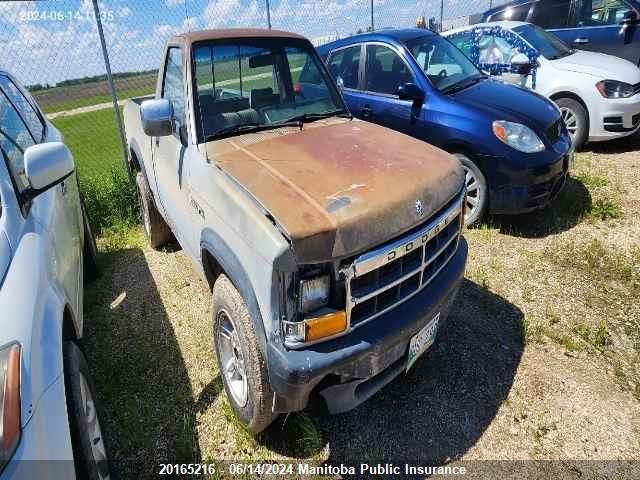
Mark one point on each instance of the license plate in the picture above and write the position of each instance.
(422, 340)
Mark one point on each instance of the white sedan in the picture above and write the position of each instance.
(596, 93)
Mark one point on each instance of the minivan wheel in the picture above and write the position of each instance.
(155, 228)
(241, 363)
(477, 192)
(576, 119)
(89, 448)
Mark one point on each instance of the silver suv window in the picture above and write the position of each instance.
(15, 138)
(25, 108)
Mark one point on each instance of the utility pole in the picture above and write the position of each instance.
(112, 88)
(441, 14)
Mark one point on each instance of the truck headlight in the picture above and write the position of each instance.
(314, 293)
(517, 136)
(615, 89)
(9, 401)
(318, 321)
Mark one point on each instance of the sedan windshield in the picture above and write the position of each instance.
(447, 68)
(245, 85)
(549, 46)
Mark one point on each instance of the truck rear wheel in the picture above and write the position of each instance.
(241, 363)
(155, 228)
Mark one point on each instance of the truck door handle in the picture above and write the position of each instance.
(580, 41)
(63, 188)
(157, 141)
(366, 111)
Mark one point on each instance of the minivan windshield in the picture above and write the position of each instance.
(549, 46)
(446, 67)
(245, 84)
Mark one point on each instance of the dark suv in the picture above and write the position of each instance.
(607, 26)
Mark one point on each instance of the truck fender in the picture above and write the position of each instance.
(231, 267)
(137, 163)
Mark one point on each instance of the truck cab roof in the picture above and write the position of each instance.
(227, 33)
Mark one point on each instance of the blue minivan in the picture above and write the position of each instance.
(512, 142)
(605, 26)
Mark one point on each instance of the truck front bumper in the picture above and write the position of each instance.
(350, 369)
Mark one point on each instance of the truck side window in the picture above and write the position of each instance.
(551, 13)
(25, 108)
(15, 138)
(385, 70)
(517, 14)
(602, 12)
(345, 63)
(173, 87)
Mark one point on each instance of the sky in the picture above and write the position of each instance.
(53, 40)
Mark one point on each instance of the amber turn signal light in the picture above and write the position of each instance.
(325, 325)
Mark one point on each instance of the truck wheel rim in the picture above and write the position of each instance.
(571, 121)
(231, 359)
(473, 193)
(96, 440)
(145, 214)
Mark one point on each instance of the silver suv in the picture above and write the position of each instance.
(47, 399)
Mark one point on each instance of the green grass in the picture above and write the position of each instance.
(95, 100)
(109, 196)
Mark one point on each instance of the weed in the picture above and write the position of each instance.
(594, 181)
(604, 209)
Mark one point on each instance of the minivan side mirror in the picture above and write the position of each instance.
(157, 117)
(46, 165)
(521, 64)
(410, 91)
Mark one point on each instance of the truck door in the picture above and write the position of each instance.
(606, 26)
(169, 151)
(385, 71)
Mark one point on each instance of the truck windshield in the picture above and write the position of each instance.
(549, 46)
(261, 83)
(447, 68)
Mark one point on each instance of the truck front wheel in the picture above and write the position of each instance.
(155, 228)
(240, 361)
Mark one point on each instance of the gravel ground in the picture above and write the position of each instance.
(538, 361)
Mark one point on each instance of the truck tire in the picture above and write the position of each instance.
(89, 250)
(241, 363)
(89, 448)
(477, 191)
(155, 228)
(576, 119)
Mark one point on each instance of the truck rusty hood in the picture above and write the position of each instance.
(339, 187)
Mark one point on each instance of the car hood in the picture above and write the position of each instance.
(503, 101)
(599, 65)
(338, 187)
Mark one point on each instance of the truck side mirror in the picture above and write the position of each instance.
(157, 117)
(46, 165)
(521, 63)
(410, 91)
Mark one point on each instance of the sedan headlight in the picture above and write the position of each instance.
(615, 89)
(517, 136)
(9, 401)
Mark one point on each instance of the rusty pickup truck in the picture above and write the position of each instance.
(332, 246)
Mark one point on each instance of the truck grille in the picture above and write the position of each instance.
(381, 279)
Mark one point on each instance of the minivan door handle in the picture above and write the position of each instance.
(366, 111)
(580, 41)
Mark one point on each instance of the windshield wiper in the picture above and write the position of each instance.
(249, 127)
(456, 87)
(310, 117)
